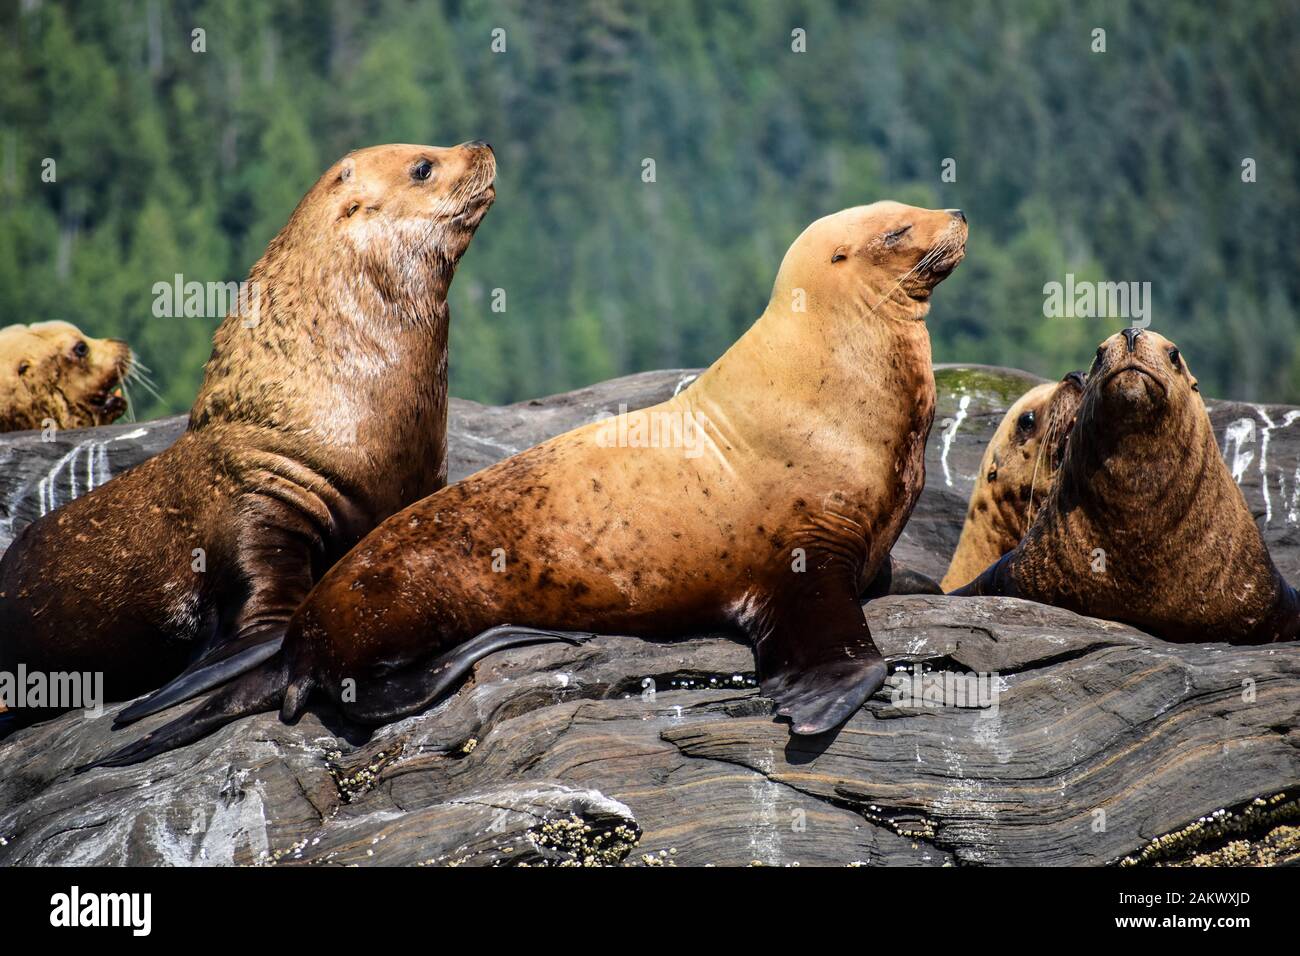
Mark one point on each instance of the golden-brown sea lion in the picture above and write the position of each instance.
(762, 498)
(52, 372)
(1145, 525)
(1015, 476)
(323, 410)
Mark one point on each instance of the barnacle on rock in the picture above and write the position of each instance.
(351, 783)
(573, 841)
(1258, 833)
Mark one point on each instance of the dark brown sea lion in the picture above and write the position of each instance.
(52, 372)
(323, 411)
(1145, 525)
(763, 498)
(1015, 476)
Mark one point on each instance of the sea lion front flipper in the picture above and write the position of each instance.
(276, 545)
(894, 577)
(995, 580)
(818, 662)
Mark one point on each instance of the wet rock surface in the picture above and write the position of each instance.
(1105, 745)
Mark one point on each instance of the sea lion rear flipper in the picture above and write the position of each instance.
(216, 667)
(258, 690)
(819, 663)
(406, 693)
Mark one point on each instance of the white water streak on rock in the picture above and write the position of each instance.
(91, 456)
(949, 433)
(764, 834)
(1238, 433)
(1265, 432)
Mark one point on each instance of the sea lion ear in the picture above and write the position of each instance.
(351, 205)
(347, 169)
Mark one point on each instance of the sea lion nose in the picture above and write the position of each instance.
(479, 144)
(1131, 336)
(1077, 378)
(956, 214)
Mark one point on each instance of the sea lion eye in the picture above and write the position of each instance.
(1174, 357)
(422, 170)
(839, 255)
(892, 237)
(1026, 421)
(23, 367)
(80, 349)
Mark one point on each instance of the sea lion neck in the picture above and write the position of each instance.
(1135, 485)
(381, 336)
(834, 367)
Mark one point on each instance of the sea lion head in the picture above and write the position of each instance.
(1016, 476)
(400, 205)
(53, 371)
(885, 256)
(1028, 447)
(1137, 379)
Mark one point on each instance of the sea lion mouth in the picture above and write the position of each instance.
(940, 260)
(1134, 389)
(1141, 370)
(476, 207)
(112, 403)
(943, 259)
(109, 401)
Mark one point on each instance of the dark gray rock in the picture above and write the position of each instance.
(1103, 738)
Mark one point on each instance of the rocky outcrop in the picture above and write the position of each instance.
(1081, 742)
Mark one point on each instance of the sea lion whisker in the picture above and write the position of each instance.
(934, 254)
(903, 278)
(1049, 440)
(130, 405)
(146, 383)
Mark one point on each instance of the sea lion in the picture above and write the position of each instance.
(53, 372)
(1015, 475)
(323, 410)
(791, 465)
(1145, 525)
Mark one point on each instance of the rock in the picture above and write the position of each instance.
(1102, 739)
(1106, 745)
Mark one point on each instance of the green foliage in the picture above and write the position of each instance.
(1120, 166)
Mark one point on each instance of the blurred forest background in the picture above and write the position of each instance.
(1123, 165)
